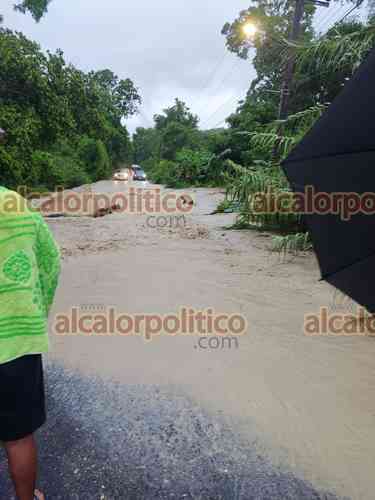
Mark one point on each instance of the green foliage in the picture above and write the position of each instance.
(193, 166)
(176, 153)
(37, 8)
(273, 20)
(174, 137)
(341, 50)
(146, 144)
(258, 141)
(266, 178)
(94, 156)
(58, 169)
(164, 172)
(252, 115)
(291, 243)
(102, 163)
(223, 206)
(177, 128)
(178, 113)
(73, 118)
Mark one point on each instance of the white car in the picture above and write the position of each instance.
(121, 175)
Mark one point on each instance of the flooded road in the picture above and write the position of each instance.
(278, 416)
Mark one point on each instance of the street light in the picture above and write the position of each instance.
(250, 29)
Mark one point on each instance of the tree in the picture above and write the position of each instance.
(37, 8)
(178, 129)
(49, 109)
(274, 20)
(178, 113)
(146, 144)
(252, 115)
(174, 137)
(122, 95)
(323, 66)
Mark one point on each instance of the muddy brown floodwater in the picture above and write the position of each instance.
(309, 400)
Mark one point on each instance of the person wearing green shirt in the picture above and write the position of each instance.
(29, 272)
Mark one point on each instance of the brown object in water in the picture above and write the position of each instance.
(187, 201)
(101, 212)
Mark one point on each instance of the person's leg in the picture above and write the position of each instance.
(22, 412)
(23, 463)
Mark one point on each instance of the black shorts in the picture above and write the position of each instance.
(22, 401)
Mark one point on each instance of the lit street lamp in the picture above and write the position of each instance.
(250, 29)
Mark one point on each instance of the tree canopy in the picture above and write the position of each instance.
(37, 8)
(59, 118)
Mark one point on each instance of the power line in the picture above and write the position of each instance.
(236, 64)
(356, 6)
(212, 74)
(325, 18)
(334, 14)
(227, 76)
(319, 19)
(234, 95)
(347, 13)
(217, 110)
(220, 108)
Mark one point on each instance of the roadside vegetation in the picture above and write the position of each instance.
(324, 64)
(175, 152)
(66, 127)
(245, 156)
(63, 127)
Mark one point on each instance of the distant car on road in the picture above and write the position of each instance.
(121, 175)
(138, 173)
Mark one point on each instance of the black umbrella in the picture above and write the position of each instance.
(337, 157)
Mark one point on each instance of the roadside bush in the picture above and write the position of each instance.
(103, 163)
(11, 169)
(164, 172)
(192, 166)
(58, 170)
(94, 156)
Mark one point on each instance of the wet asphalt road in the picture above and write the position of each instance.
(109, 441)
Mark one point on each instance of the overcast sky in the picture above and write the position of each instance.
(169, 48)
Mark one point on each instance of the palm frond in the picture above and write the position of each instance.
(304, 119)
(272, 141)
(336, 52)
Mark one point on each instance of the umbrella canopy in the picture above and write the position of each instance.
(337, 157)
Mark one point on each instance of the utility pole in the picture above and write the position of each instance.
(290, 64)
(289, 70)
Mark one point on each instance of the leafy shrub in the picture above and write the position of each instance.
(291, 243)
(11, 169)
(58, 170)
(95, 158)
(191, 168)
(164, 172)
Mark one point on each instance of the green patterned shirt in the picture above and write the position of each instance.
(29, 272)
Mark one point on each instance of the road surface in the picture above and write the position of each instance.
(278, 416)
